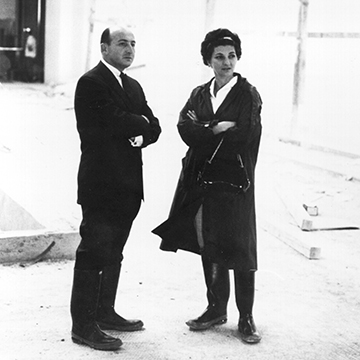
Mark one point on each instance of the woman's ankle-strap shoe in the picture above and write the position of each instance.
(248, 331)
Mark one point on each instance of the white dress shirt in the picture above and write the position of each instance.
(114, 70)
(221, 94)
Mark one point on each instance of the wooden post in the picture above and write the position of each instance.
(209, 14)
(209, 21)
(299, 74)
(90, 35)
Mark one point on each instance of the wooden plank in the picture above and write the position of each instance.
(294, 205)
(312, 210)
(299, 71)
(332, 35)
(305, 243)
(25, 246)
(274, 217)
(329, 223)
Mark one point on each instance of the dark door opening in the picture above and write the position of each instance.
(22, 35)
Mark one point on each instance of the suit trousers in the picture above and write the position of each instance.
(104, 231)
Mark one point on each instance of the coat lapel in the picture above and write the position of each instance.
(232, 95)
(205, 101)
(115, 85)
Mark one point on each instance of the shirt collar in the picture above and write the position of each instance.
(227, 87)
(113, 69)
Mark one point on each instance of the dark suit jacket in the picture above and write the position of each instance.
(106, 118)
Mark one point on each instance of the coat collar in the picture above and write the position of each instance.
(112, 82)
(205, 93)
(108, 76)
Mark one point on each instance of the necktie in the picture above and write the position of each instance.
(125, 82)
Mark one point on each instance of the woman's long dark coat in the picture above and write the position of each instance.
(229, 224)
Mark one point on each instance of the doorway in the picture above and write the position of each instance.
(22, 35)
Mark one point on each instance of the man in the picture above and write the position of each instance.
(114, 123)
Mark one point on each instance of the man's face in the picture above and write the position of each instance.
(121, 51)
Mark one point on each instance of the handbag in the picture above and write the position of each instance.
(223, 174)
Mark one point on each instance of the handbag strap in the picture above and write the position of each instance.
(240, 161)
(216, 150)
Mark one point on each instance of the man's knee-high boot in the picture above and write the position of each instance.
(244, 294)
(84, 300)
(106, 316)
(218, 291)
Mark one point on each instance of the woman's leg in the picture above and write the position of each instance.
(218, 291)
(244, 294)
(217, 284)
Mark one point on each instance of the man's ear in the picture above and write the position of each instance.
(104, 48)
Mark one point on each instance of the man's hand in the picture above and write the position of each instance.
(223, 126)
(136, 141)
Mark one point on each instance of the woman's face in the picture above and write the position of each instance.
(223, 61)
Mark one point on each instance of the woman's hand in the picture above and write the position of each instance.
(192, 115)
(223, 126)
(216, 129)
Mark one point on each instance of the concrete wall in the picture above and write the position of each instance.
(169, 33)
(66, 34)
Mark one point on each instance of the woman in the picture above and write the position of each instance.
(218, 224)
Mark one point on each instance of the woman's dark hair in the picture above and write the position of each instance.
(216, 38)
(105, 37)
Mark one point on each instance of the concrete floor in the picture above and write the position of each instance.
(305, 309)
